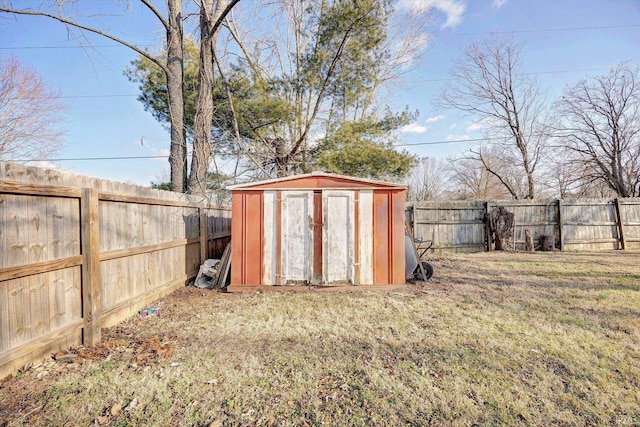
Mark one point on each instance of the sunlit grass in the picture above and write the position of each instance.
(492, 339)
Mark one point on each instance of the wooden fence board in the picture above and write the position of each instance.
(630, 214)
(148, 243)
(575, 224)
(4, 317)
(18, 314)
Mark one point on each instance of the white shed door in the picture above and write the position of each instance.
(297, 244)
(338, 237)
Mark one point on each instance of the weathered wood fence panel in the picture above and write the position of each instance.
(590, 225)
(78, 254)
(630, 214)
(572, 224)
(457, 226)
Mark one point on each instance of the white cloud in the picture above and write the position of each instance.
(498, 3)
(485, 123)
(413, 128)
(408, 49)
(44, 164)
(453, 9)
(164, 152)
(453, 126)
(454, 137)
(435, 118)
(151, 150)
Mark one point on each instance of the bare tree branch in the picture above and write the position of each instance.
(30, 114)
(601, 126)
(66, 21)
(156, 12)
(488, 84)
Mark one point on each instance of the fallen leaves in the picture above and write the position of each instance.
(145, 351)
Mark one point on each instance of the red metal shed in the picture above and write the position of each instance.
(318, 228)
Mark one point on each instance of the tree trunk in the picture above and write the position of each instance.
(502, 224)
(204, 110)
(175, 69)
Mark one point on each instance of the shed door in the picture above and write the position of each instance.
(297, 245)
(338, 237)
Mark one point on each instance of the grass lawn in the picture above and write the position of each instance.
(492, 339)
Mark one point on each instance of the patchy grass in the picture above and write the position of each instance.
(492, 339)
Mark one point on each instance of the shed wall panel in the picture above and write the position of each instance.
(253, 238)
(366, 237)
(381, 238)
(237, 231)
(397, 237)
(246, 247)
(269, 247)
(317, 236)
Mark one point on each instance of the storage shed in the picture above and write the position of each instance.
(318, 229)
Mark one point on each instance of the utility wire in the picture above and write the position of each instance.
(541, 30)
(407, 81)
(90, 158)
(70, 159)
(575, 70)
(452, 141)
(535, 30)
(73, 47)
(75, 96)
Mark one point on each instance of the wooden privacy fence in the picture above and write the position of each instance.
(573, 224)
(78, 254)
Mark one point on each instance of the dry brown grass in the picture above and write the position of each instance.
(492, 339)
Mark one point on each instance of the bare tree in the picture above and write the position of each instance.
(172, 67)
(470, 180)
(31, 114)
(427, 180)
(601, 125)
(570, 177)
(488, 83)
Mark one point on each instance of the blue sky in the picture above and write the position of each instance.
(565, 41)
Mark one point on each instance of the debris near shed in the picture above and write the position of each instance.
(207, 274)
(214, 273)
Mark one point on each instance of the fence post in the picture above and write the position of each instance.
(560, 223)
(90, 247)
(413, 218)
(616, 206)
(487, 225)
(204, 241)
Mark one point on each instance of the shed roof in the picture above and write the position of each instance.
(318, 180)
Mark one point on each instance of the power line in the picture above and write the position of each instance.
(535, 30)
(74, 47)
(75, 96)
(91, 158)
(407, 81)
(576, 70)
(541, 30)
(452, 141)
(96, 96)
